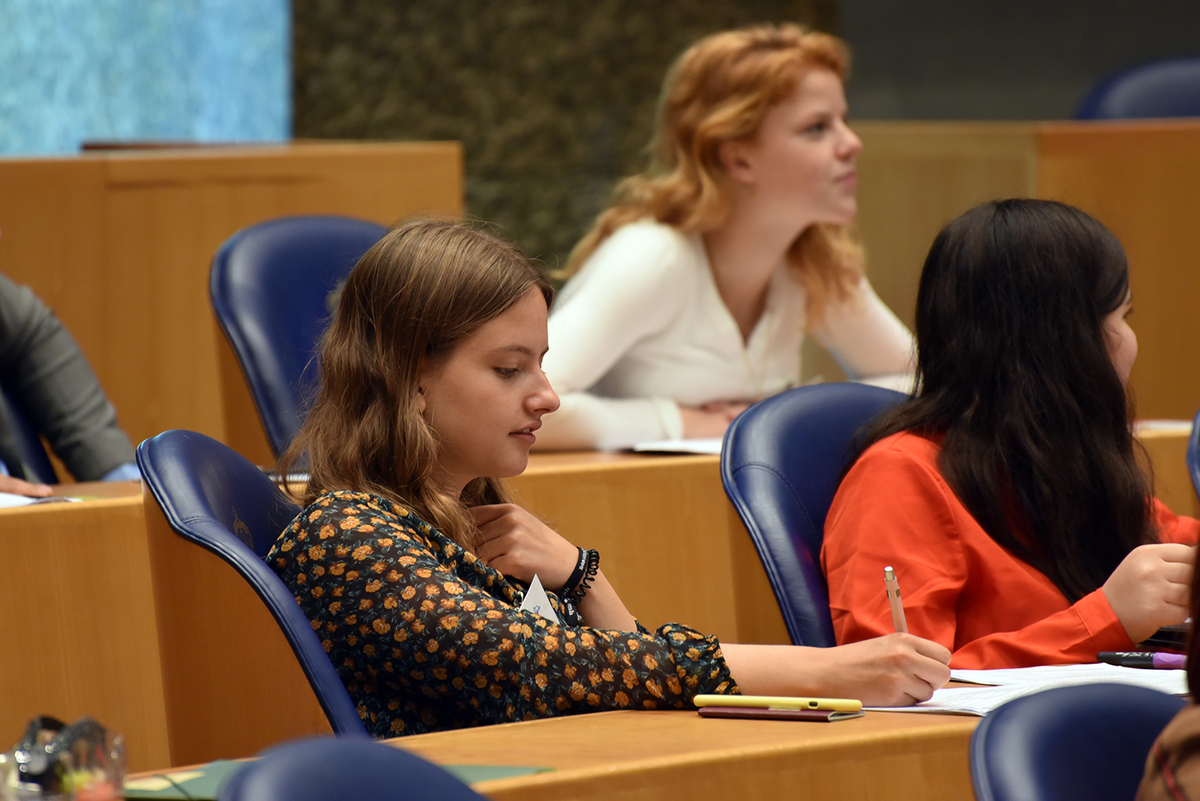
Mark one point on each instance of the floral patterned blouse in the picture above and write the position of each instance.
(426, 637)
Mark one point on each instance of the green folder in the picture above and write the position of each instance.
(202, 782)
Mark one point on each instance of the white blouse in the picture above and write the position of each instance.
(642, 328)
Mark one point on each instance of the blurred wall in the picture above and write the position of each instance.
(1010, 60)
(553, 101)
(196, 70)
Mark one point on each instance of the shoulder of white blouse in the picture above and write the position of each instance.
(642, 254)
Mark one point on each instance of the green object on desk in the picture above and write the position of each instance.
(202, 783)
(472, 774)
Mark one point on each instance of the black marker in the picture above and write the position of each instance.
(1143, 659)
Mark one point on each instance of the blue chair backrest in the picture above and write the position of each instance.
(1082, 741)
(270, 284)
(781, 463)
(35, 462)
(1193, 454)
(321, 768)
(1168, 88)
(218, 500)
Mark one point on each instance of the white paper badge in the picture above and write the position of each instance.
(538, 602)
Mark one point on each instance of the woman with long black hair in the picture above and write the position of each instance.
(1007, 492)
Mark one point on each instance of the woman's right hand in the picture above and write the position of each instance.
(894, 670)
(711, 419)
(1151, 588)
(16, 486)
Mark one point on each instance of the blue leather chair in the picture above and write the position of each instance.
(218, 500)
(781, 463)
(323, 768)
(35, 463)
(1168, 88)
(269, 286)
(1083, 741)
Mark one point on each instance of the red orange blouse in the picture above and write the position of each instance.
(959, 587)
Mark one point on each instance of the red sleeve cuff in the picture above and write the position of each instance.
(1102, 623)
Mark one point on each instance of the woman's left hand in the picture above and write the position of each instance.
(519, 545)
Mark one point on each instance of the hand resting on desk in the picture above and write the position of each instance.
(711, 419)
(16, 486)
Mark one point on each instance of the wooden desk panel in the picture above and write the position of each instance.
(646, 756)
(119, 243)
(1140, 180)
(79, 628)
(1167, 450)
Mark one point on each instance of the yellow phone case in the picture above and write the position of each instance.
(779, 702)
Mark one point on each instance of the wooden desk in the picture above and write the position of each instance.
(179, 649)
(79, 628)
(646, 756)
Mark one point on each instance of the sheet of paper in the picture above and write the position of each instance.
(1171, 426)
(701, 446)
(538, 602)
(8, 500)
(1167, 681)
(964, 700)
(997, 687)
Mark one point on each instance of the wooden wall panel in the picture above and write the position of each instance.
(119, 244)
(1142, 180)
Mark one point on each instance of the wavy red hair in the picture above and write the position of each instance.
(719, 90)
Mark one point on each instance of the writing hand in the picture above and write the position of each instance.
(894, 670)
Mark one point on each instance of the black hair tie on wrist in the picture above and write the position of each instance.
(580, 581)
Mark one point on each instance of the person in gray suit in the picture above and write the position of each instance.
(44, 372)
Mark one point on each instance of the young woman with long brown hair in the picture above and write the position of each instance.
(410, 559)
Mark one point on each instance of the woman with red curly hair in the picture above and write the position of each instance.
(690, 296)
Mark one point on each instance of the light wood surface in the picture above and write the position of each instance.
(646, 756)
(1167, 451)
(79, 628)
(119, 244)
(164, 642)
(1140, 179)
